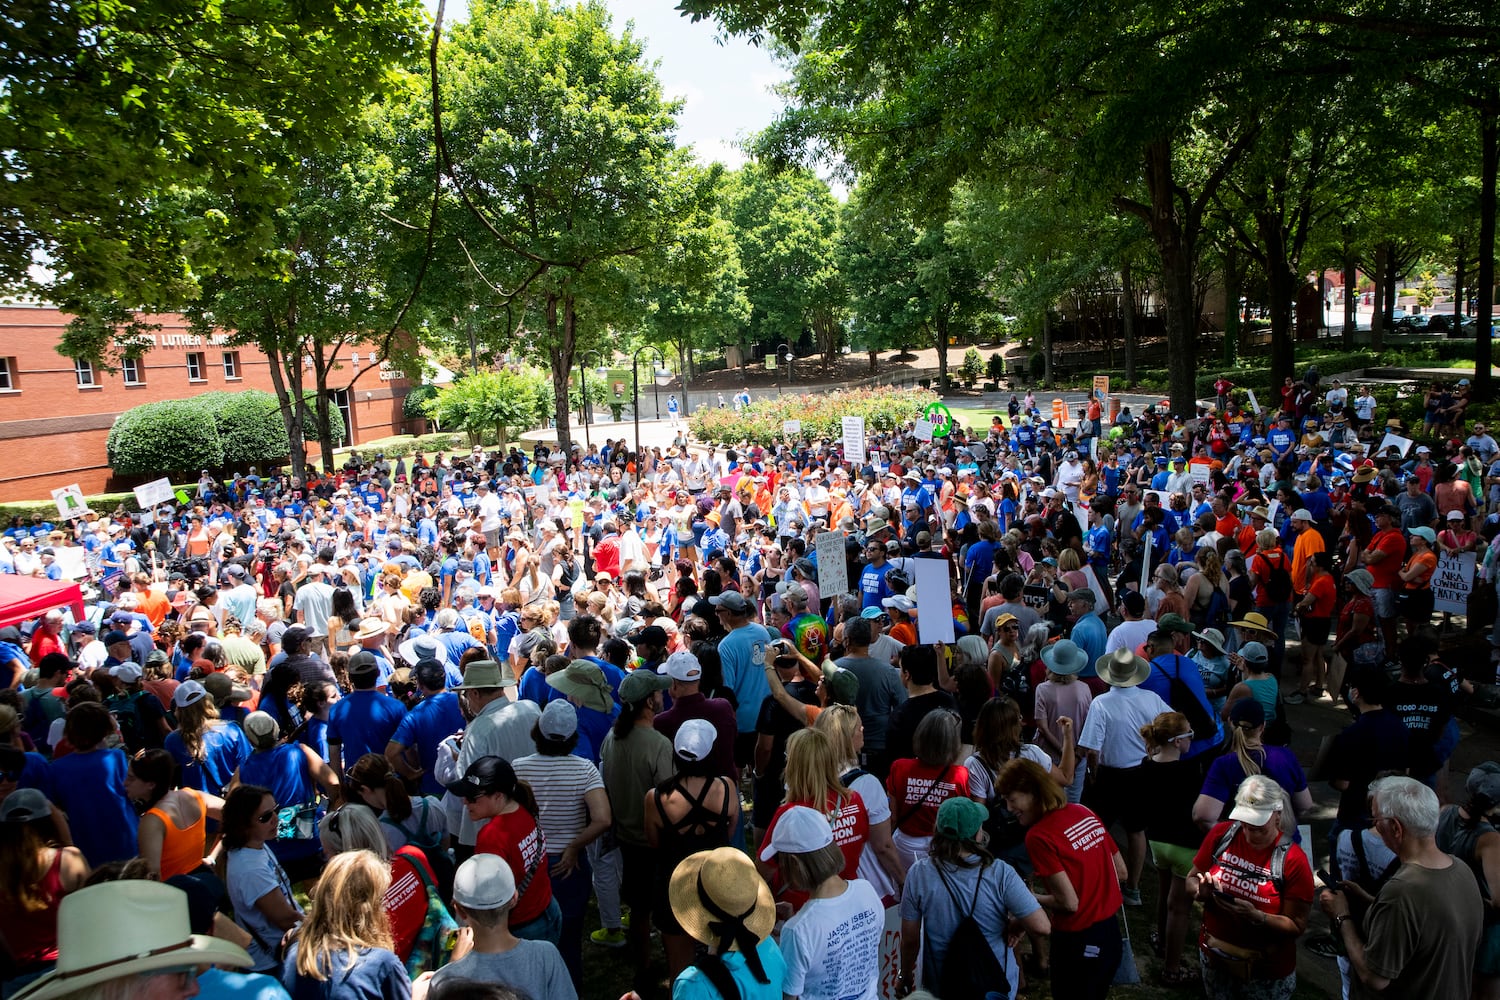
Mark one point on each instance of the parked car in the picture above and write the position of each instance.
(1471, 326)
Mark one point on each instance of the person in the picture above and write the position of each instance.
(1257, 890)
(89, 785)
(879, 863)
(695, 809)
(743, 651)
(997, 739)
(919, 675)
(1081, 870)
(718, 900)
(573, 812)
(37, 870)
(174, 821)
(1112, 740)
(1421, 935)
(1357, 637)
(207, 749)
(491, 791)
(919, 785)
(1467, 831)
(405, 820)
(634, 759)
(1315, 612)
(1171, 781)
(259, 889)
(1063, 696)
(130, 939)
(879, 695)
(831, 945)
(497, 727)
(1375, 743)
(364, 720)
(960, 878)
(484, 892)
(1416, 600)
(296, 776)
(1248, 754)
(1257, 682)
(343, 949)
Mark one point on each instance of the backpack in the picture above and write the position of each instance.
(423, 839)
(1278, 856)
(1185, 701)
(434, 943)
(1279, 583)
(1216, 615)
(1004, 828)
(971, 970)
(126, 710)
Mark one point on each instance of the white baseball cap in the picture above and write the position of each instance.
(695, 740)
(126, 673)
(188, 693)
(799, 830)
(484, 882)
(683, 667)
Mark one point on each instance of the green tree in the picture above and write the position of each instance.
(504, 401)
(696, 293)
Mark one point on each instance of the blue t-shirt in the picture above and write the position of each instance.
(1279, 764)
(364, 722)
(1090, 635)
(221, 983)
(373, 974)
(283, 770)
(692, 984)
(90, 788)
(743, 654)
(431, 720)
(1171, 665)
(225, 748)
(872, 586)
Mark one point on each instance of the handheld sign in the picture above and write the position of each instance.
(833, 568)
(70, 502)
(1453, 582)
(854, 440)
(934, 601)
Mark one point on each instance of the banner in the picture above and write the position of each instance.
(934, 600)
(1101, 603)
(833, 568)
(70, 502)
(854, 440)
(791, 428)
(1453, 582)
(890, 954)
(158, 491)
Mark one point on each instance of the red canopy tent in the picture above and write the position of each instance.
(26, 597)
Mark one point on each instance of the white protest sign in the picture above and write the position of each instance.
(934, 601)
(923, 429)
(70, 502)
(1201, 474)
(1101, 603)
(1163, 497)
(1273, 509)
(1254, 403)
(833, 568)
(1453, 582)
(854, 440)
(1394, 441)
(791, 428)
(72, 561)
(890, 954)
(158, 491)
(1148, 539)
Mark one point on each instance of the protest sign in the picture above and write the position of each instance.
(72, 562)
(1394, 441)
(70, 502)
(158, 491)
(1101, 387)
(890, 955)
(1201, 474)
(1101, 603)
(854, 440)
(1453, 582)
(833, 568)
(1148, 539)
(1035, 597)
(922, 429)
(934, 601)
(1254, 403)
(791, 428)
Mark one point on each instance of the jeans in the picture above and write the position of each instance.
(546, 927)
(606, 866)
(570, 894)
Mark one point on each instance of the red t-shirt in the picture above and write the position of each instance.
(1394, 546)
(1072, 840)
(911, 782)
(1244, 872)
(1325, 596)
(405, 901)
(851, 828)
(516, 838)
(1261, 565)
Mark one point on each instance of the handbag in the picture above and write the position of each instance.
(1127, 973)
(433, 946)
(297, 822)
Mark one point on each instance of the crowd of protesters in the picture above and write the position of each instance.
(391, 732)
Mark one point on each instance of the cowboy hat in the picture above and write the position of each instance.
(1255, 622)
(586, 682)
(369, 627)
(1122, 668)
(127, 928)
(1364, 474)
(719, 888)
(1065, 657)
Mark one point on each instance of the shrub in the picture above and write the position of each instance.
(883, 408)
(1037, 366)
(249, 425)
(972, 367)
(174, 435)
(996, 367)
(414, 406)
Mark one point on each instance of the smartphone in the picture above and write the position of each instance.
(1325, 879)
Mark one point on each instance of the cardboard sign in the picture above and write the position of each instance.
(1254, 403)
(1201, 474)
(791, 428)
(158, 491)
(890, 954)
(833, 568)
(922, 430)
(1101, 387)
(72, 560)
(1101, 603)
(854, 440)
(934, 601)
(70, 502)
(1394, 441)
(1453, 582)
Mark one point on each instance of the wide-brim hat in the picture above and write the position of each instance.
(726, 880)
(1364, 474)
(408, 650)
(1255, 622)
(1122, 668)
(1065, 657)
(126, 928)
(369, 627)
(586, 682)
(481, 674)
(1213, 637)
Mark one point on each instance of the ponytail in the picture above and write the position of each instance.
(524, 797)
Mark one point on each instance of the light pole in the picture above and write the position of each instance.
(660, 377)
(789, 356)
(583, 396)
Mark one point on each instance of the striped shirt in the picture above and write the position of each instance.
(559, 784)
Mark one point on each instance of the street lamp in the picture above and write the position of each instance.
(789, 356)
(583, 393)
(661, 377)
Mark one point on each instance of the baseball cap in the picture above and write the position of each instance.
(25, 805)
(695, 740)
(873, 612)
(188, 693)
(900, 603)
(960, 818)
(1302, 514)
(559, 720)
(641, 684)
(651, 635)
(363, 662)
(1134, 603)
(125, 673)
(260, 726)
(732, 601)
(842, 685)
(484, 882)
(682, 667)
(115, 635)
(799, 830)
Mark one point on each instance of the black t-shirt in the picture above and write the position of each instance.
(1425, 710)
(777, 723)
(905, 720)
(1374, 743)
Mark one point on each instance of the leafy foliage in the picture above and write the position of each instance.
(174, 435)
(822, 415)
(249, 425)
(501, 401)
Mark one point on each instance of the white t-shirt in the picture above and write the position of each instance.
(250, 875)
(981, 787)
(1114, 725)
(878, 807)
(489, 512)
(1129, 634)
(832, 946)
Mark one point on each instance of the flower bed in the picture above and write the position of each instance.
(883, 408)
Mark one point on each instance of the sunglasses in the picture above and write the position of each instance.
(266, 816)
(185, 975)
(1184, 736)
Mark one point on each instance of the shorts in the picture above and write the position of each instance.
(1315, 630)
(1118, 794)
(492, 538)
(1384, 599)
(1172, 858)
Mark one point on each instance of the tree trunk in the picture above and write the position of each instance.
(1282, 284)
(1127, 321)
(321, 404)
(561, 347)
(1047, 346)
(1390, 286)
(1458, 284)
(941, 326)
(874, 360)
(1231, 302)
(291, 416)
(1377, 298)
(1351, 291)
(1179, 288)
(1485, 282)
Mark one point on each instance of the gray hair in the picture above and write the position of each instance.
(1408, 802)
(353, 827)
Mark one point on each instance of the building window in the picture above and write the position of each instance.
(83, 368)
(131, 369)
(195, 367)
(231, 364)
(7, 374)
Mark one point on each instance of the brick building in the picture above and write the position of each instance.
(55, 415)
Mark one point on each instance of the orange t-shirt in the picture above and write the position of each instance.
(1427, 561)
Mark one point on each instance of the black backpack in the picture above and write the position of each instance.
(1279, 583)
(126, 710)
(970, 969)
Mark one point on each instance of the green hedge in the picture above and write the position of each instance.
(249, 425)
(821, 414)
(212, 431)
(103, 503)
(403, 445)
